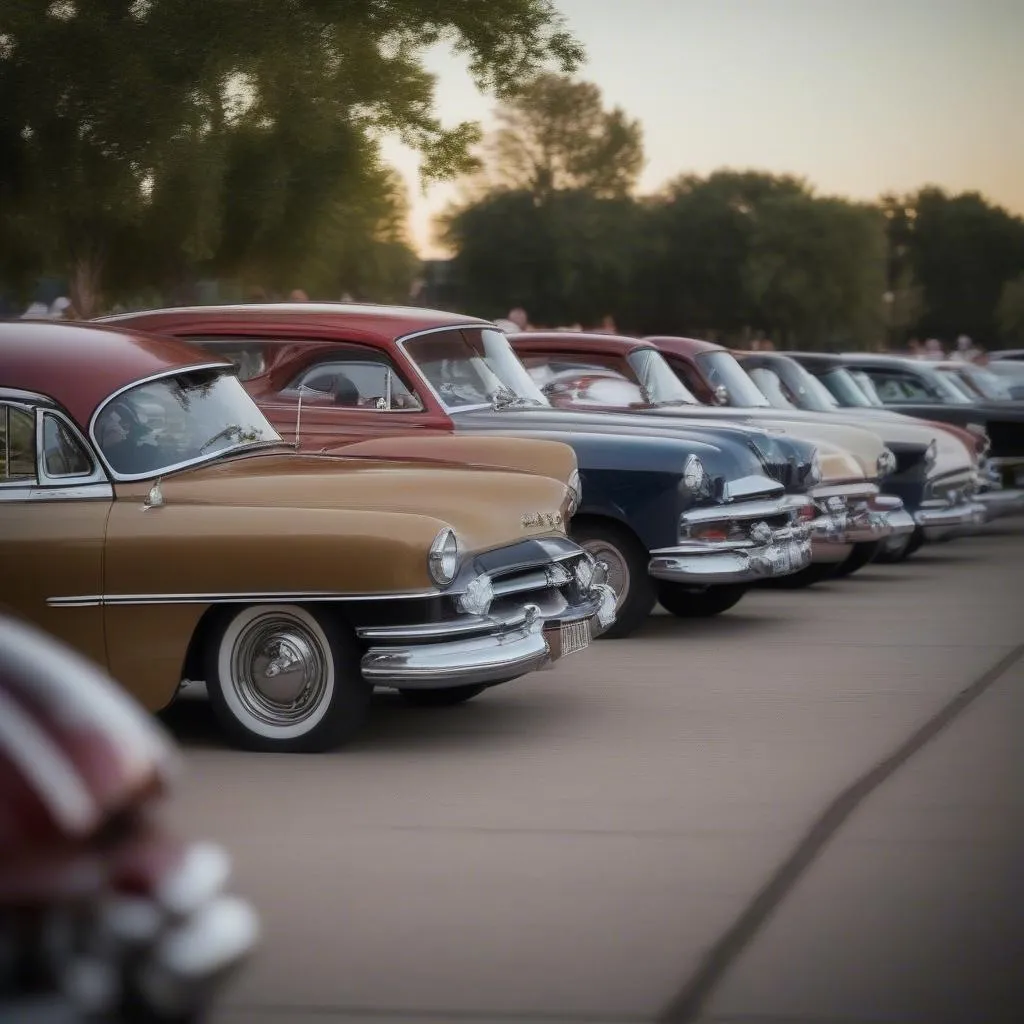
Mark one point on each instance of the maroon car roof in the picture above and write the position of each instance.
(593, 342)
(683, 346)
(80, 365)
(384, 323)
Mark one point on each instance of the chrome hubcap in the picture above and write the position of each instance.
(618, 567)
(279, 670)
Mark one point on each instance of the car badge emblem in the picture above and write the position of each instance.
(533, 520)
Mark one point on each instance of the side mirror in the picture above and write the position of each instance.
(722, 395)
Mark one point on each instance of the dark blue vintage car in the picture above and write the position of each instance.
(687, 515)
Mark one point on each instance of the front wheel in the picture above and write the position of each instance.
(816, 572)
(445, 698)
(861, 555)
(902, 549)
(284, 678)
(627, 560)
(699, 604)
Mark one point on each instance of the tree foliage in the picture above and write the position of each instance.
(1010, 312)
(554, 135)
(961, 250)
(155, 138)
(728, 254)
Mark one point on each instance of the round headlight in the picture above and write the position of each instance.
(575, 486)
(931, 455)
(814, 470)
(886, 462)
(693, 474)
(443, 560)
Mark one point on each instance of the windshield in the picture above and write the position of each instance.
(178, 421)
(867, 387)
(722, 370)
(661, 385)
(771, 387)
(988, 384)
(843, 388)
(473, 368)
(950, 388)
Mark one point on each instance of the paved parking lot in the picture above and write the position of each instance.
(810, 809)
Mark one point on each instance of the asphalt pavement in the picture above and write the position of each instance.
(810, 809)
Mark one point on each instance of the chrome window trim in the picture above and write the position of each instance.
(90, 600)
(29, 398)
(413, 335)
(224, 367)
(99, 490)
(47, 479)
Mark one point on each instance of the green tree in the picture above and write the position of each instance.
(555, 135)
(961, 250)
(566, 260)
(1010, 312)
(815, 272)
(125, 121)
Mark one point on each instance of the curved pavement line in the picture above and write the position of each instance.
(691, 997)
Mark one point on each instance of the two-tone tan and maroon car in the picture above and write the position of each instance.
(152, 517)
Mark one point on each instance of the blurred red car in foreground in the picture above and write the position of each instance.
(103, 915)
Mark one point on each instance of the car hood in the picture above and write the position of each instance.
(485, 507)
(863, 444)
(735, 448)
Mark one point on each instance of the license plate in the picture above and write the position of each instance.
(575, 636)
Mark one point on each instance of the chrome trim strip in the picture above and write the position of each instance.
(26, 397)
(464, 626)
(91, 600)
(99, 491)
(860, 490)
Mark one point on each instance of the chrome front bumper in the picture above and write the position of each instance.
(474, 649)
(762, 552)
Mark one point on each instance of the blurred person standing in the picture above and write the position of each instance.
(516, 321)
(965, 351)
(298, 295)
(933, 350)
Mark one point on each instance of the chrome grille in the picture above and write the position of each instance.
(575, 636)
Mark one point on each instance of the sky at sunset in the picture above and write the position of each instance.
(858, 96)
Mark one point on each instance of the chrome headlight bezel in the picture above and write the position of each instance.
(886, 463)
(443, 558)
(814, 472)
(575, 488)
(694, 474)
(931, 455)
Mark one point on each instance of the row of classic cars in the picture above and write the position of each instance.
(296, 503)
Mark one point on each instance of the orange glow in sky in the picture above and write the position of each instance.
(859, 97)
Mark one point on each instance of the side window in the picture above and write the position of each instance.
(248, 356)
(773, 386)
(63, 454)
(17, 446)
(359, 383)
(893, 386)
(691, 378)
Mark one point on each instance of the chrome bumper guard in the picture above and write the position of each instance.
(940, 518)
(473, 649)
(762, 553)
(859, 518)
(1000, 501)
